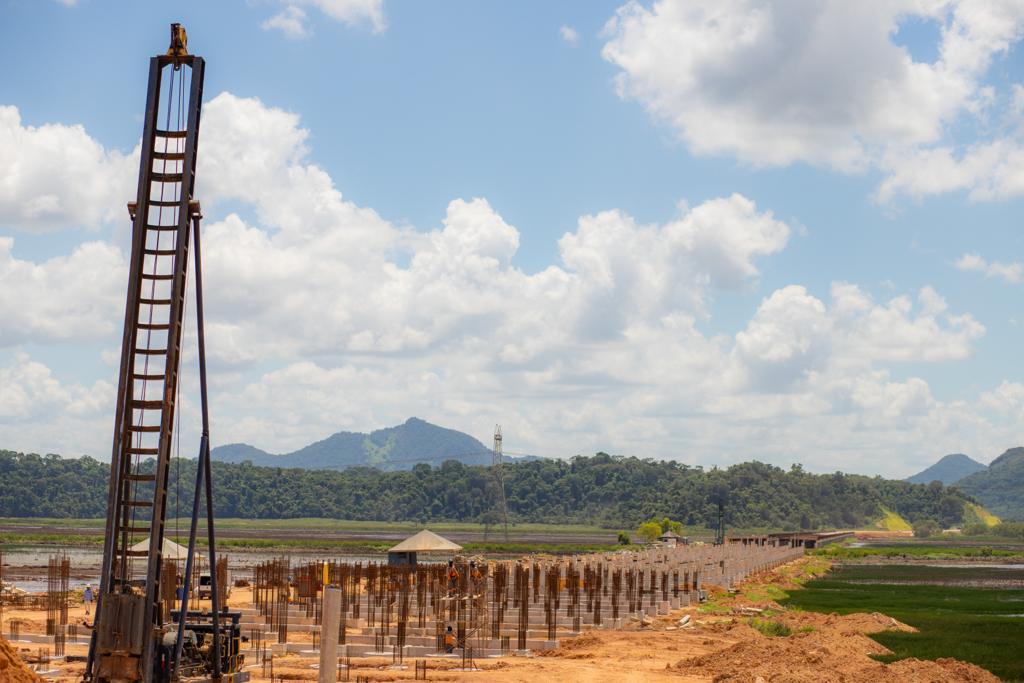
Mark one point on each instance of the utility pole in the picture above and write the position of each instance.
(496, 466)
(720, 533)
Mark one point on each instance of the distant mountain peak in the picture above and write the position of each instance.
(391, 448)
(949, 470)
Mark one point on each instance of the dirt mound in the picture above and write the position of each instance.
(869, 623)
(825, 643)
(939, 671)
(574, 648)
(12, 669)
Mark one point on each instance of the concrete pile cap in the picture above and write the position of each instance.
(426, 541)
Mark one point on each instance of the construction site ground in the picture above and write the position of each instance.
(718, 644)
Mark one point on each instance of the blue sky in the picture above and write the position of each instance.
(886, 166)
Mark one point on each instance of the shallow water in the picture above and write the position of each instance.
(25, 565)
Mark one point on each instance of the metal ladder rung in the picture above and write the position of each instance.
(162, 228)
(169, 156)
(139, 503)
(155, 326)
(151, 352)
(156, 302)
(140, 477)
(171, 133)
(168, 203)
(159, 252)
(161, 276)
(136, 553)
(141, 451)
(144, 428)
(166, 177)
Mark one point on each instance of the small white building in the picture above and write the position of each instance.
(671, 539)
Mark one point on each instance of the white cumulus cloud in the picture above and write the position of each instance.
(41, 413)
(290, 21)
(78, 297)
(569, 35)
(322, 315)
(294, 22)
(824, 83)
(1009, 272)
(56, 176)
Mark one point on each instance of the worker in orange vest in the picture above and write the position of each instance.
(453, 578)
(475, 578)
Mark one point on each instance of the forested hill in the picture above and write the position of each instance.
(613, 491)
(1001, 485)
(393, 448)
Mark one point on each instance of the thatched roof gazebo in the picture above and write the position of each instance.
(425, 541)
(169, 550)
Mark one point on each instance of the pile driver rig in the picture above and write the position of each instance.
(131, 640)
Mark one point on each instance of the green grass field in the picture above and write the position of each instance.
(315, 523)
(345, 536)
(980, 625)
(922, 550)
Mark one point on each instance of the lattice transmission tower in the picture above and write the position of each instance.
(499, 476)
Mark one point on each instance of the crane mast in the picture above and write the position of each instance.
(130, 641)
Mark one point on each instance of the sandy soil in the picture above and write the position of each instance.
(715, 647)
(12, 669)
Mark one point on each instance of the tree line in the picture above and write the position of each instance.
(609, 491)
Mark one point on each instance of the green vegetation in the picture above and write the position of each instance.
(51, 539)
(918, 551)
(338, 545)
(949, 574)
(893, 522)
(771, 628)
(812, 569)
(975, 515)
(764, 593)
(998, 486)
(923, 528)
(714, 604)
(1000, 531)
(979, 625)
(602, 490)
(313, 524)
(650, 530)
